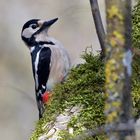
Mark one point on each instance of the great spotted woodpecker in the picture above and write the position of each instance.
(50, 61)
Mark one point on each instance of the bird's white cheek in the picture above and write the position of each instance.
(29, 32)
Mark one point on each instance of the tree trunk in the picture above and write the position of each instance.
(118, 65)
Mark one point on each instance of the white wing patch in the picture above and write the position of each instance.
(32, 49)
(36, 69)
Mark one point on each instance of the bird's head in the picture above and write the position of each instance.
(35, 30)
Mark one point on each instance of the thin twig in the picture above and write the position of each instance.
(99, 25)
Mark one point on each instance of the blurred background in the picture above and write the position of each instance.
(75, 29)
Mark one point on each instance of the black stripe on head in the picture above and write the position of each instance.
(28, 23)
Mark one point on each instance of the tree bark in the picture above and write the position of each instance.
(118, 65)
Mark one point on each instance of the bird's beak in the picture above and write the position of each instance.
(50, 22)
(46, 24)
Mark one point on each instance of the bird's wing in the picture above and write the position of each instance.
(43, 69)
(41, 58)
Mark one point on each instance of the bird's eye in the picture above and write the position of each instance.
(34, 26)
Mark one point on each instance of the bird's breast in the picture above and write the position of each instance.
(59, 66)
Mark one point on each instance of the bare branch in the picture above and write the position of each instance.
(98, 24)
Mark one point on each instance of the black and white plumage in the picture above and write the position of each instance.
(50, 61)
